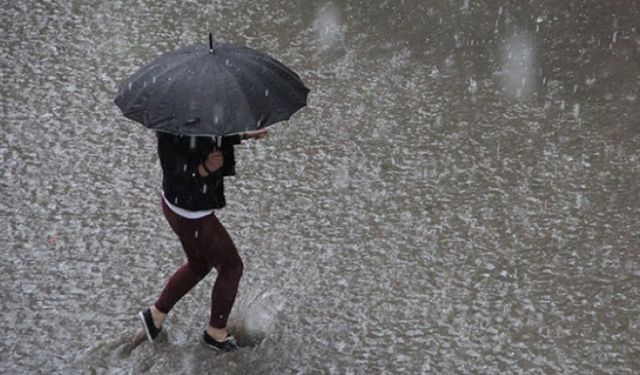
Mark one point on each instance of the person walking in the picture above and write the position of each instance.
(193, 170)
(203, 99)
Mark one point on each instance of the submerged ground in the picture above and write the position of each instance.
(460, 195)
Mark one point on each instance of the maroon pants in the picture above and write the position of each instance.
(206, 244)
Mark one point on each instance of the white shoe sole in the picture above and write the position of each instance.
(214, 348)
(144, 326)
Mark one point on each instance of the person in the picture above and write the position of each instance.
(193, 169)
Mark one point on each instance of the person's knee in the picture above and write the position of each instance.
(235, 268)
(200, 268)
(239, 267)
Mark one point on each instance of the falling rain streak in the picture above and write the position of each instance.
(518, 59)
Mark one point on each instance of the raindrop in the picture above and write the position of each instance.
(615, 37)
(578, 200)
(226, 62)
(204, 189)
(153, 79)
(327, 25)
(144, 85)
(196, 234)
(193, 121)
(129, 85)
(518, 64)
(562, 105)
(260, 121)
(215, 120)
(192, 142)
(473, 86)
(184, 168)
(457, 40)
(449, 60)
(576, 110)
(539, 19)
(266, 92)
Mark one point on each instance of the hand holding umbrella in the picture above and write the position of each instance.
(257, 134)
(212, 164)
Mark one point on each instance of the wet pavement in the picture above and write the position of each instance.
(460, 195)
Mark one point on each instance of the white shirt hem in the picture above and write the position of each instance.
(186, 213)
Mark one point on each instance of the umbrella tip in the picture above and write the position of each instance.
(210, 43)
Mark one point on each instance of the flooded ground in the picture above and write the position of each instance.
(460, 196)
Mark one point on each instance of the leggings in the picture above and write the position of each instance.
(207, 244)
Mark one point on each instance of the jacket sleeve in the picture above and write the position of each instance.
(232, 139)
(179, 155)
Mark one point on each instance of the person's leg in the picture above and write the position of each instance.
(179, 284)
(223, 254)
(190, 273)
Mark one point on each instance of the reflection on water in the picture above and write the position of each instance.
(460, 195)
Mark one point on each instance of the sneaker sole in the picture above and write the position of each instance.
(211, 347)
(144, 326)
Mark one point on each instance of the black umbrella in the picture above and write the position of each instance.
(216, 89)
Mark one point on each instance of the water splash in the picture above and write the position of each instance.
(255, 315)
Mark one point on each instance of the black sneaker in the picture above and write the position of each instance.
(229, 344)
(147, 323)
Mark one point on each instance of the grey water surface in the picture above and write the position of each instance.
(461, 195)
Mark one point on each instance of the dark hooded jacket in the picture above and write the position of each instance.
(180, 157)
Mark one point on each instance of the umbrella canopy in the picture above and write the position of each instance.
(216, 89)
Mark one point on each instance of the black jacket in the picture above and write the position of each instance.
(182, 185)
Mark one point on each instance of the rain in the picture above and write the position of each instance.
(460, 195)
